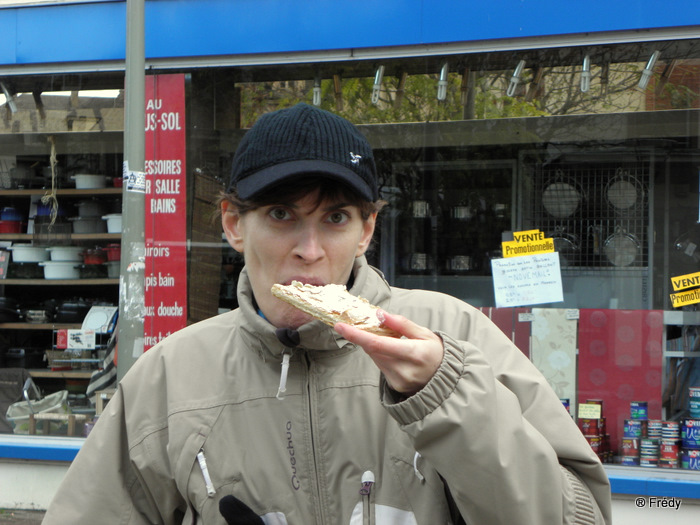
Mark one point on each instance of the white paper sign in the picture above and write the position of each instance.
(530, 279)
(134, 180)
(81, 340)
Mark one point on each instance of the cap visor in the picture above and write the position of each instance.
(268, 177)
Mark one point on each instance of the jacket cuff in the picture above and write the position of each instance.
(584, 507)
(407, 410)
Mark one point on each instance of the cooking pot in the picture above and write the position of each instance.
(11, 214)
(66, 253)
(90, 208)
(24, 271)
(8, 315)
(92, 271)
(60, 270)
(8, 302)
(567, 245)
(44, 210)
(47, 173)
(9, 312)
(37, 316)
(461, 212)
(88, 225)
(114, 222)
(562, 196)
(114, 251)
(89, 181)
(621, 248)
(11, 226)
(94, 256)
(417, 262)
(420, 209)
(624, 192)
(24, 358)
(113, 269)
(459, 263)
(72, 312)
(28, 253)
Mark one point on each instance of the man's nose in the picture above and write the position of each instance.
(309, 246)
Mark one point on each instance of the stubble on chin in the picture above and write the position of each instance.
(294, 318)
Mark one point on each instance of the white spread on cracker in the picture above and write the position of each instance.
(335, 300)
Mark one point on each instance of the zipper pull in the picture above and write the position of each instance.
(367, 482)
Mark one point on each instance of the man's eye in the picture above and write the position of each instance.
(338, 217)
(279, 213)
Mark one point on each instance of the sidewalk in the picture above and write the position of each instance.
(27, 517)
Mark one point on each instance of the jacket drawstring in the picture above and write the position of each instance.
(415, 467)
(205, 473)
(289, 338)
(286, 356)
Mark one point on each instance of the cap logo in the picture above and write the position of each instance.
(355, 159)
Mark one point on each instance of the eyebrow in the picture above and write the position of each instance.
(332, 207)
(337, 206)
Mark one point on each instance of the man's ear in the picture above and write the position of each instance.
(231, 223)
(367, 234)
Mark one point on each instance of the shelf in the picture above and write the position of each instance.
(680, 353)
(67, 192)
(40, 326)
(62, 374)
(681, 317)
(59, 282)
(73, 236)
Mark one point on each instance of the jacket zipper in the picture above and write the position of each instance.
(366, 493)
(310, 390)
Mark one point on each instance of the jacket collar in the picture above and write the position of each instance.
(259, 334)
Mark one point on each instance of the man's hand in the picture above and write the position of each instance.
(407, 363)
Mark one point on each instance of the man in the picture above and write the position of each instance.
(262, 415)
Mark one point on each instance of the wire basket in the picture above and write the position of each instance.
(56, 234)
(70, 360)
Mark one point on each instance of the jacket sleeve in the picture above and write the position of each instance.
(105, 482)
(502, 441)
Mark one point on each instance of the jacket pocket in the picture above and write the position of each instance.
(197, 483)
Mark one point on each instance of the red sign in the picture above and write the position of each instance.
(165, 270)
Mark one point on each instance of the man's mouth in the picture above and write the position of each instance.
(315, 281)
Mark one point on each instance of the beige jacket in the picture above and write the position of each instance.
(198, 417)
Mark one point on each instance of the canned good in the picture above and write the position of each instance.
(639, 410)
(630, 447)
(648, 462)
(596, 443)
(649, 443)
(690, 459)
(694, 408)
(602, 429)
(670, 430)
(669, 449)
(634, 428)
(669, 463)
(694, 401)
(690, 433)
(654, 428)
(589, 427)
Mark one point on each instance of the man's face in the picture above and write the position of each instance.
(296, 242)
